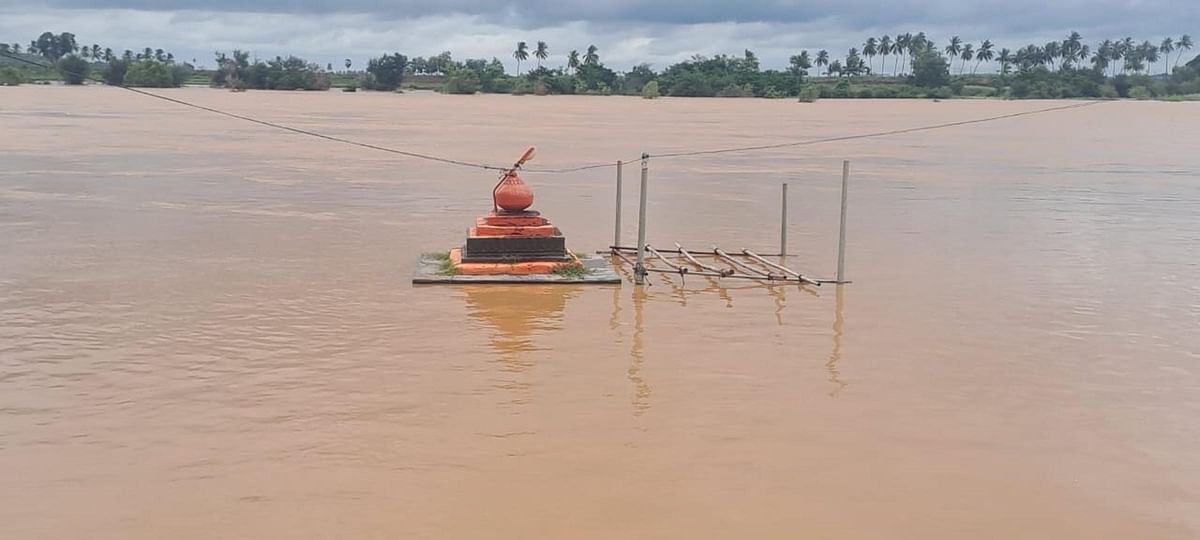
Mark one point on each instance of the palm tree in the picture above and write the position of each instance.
(1165, 48)
(592, 56)
(968, 54)
(885, 48)
(541, 52)
(348, 63)
(573, 60)
(870, 50)
(108, 55)
(954, 47)
(127, 55)
(800, 63)
(1071, 47)
(901, 48)
(852, 62)
(86, 52)
(96, 51)
(1127, 49)
(985, 54)
(1053, 50)
(1184, 44)
(921, 43)
(835, 67)
(1006, 59)
(822, 60)
(1100, 59)
(1149, 53)
(1115, 52)
(522, 53)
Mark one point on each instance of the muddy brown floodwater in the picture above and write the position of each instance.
(207, 328)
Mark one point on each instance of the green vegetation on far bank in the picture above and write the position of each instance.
(909, 66)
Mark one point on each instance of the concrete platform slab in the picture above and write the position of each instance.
(430, 270)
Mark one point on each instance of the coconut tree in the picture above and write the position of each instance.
(573, 60)
(901, 49)
(86, 52)
(592, 56)
(852, 62)
(1149, 53)
(1006, 59)
(96, 50)
(1127, 49)
(968, 54)
(1070, 48)
(954, 48)
(870, 49)
(799, 64)
(348, 63)
(1167, 45)
(521, 54)
(885, 48)
(1053, 50)
(108, 55)
(835, 67)
(1100, 59)
(985, 54)
(822, 60)
(1184, 44)
(541, 52)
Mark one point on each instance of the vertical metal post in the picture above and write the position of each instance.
(639, 270)
(617, 221)
(783, 224)
(841, 269)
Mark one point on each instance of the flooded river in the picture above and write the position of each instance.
(207, 328)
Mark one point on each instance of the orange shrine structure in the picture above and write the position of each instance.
(512, 239)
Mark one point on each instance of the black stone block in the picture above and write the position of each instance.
(515, 249)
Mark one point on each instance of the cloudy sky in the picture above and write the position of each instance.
(626, 31)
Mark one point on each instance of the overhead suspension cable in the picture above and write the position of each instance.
(564, 170)
(283, 127)
(826, 140)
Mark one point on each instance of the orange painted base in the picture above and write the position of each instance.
(523, 219)
(497, 269)
(482, 229)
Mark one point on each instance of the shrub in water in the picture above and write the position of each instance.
(74, 69)
(1139, 92)
(650, 91)
(10, 76)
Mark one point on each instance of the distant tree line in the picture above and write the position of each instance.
(918, 67)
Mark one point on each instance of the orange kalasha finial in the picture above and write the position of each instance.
(511, 194)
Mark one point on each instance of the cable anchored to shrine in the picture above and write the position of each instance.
(824, 140)
(565, 170)
(283, 127)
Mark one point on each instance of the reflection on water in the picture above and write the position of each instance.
(835, 355)
(641, 390)
(516, 315)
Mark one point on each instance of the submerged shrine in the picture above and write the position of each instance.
(513, 244)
